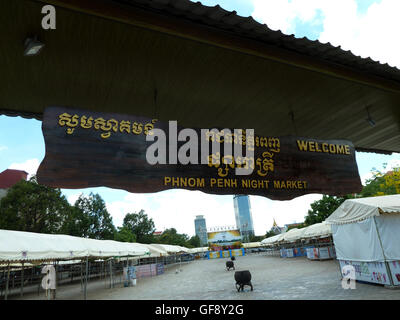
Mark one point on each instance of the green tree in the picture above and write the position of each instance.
(322, 209)
(77, 223)
(140, 225)
(171, 236)
(193, 242)
(93, 218)
(124, 234)
(382, 183)
(270, 233)
(29, 206)
(255, 238)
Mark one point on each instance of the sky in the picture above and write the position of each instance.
(366, 27)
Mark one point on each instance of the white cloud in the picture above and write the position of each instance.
(390, 165)
(73, 197)
(178, 209)
(264, 211)
(29, 166)
(372, 33)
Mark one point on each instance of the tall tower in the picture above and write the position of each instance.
(201, 229)
(244, 219)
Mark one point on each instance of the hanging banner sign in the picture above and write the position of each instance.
(90, 149)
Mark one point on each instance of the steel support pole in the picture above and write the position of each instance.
(86, 278)
(22, 280)
(81, 277)
(111, 274)
(7, 283)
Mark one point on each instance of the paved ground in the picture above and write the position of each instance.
(272, 278)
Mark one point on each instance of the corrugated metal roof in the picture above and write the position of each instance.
(230, 21)
(10, 177)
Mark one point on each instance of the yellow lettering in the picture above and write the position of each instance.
(200, 182)
(340, 149)
(325, 147)
(302, 145)
(175, 181)
(347, 148)
(183, 182)
(167, 180)
(311, 146)
(213, 181)
(234, 183)
(192, 182)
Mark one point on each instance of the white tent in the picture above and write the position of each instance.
(198, 250)
(272, 240)
(171, 248)
(155, 251)
(29, 246)
(291, 235)
(354, 210)
(318, 230)
(366, 233)
(249, 245)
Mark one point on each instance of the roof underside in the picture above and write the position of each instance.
(202, 66)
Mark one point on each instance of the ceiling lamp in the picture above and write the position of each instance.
(32, 46)
(369, 119)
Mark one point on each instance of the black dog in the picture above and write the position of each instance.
(243, 278)
(229, 265)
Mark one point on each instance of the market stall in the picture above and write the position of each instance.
(273, 244)
(23, 254)
(291, 244)
(317, 242)
(366, 233)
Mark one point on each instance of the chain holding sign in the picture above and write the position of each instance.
(90, 149)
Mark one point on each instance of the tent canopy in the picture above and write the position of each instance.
(29, 246)
(318, 230)
(170, 248)
(354, 210)
(293, 234)
(198, 250)
(155, 251)
(251, 245)
(272, 240)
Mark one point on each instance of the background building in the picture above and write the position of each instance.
(293, 225)
(201, 229)
(244, 219)
(276, 229)
(10, 177)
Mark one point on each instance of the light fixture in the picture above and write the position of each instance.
(369, 119)
(32, 46)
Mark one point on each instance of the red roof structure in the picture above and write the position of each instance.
(10, 177)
